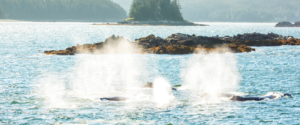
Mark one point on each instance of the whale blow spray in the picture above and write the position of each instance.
(108, 73)
(211, 74)
(162, 92)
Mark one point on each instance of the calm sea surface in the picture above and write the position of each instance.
(40, 89)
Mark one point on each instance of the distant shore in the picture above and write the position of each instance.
(84, 21)
(287, 24)
(116, 24)
(9, 20)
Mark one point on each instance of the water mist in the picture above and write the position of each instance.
(106, 75)
(211, 73)
(114, 73)
(162, 92)
(53, 90)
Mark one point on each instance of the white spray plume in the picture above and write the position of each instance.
(110, 73)
(53, 90)
(162, 92)
(105, 75)
(211, 73)
(96, 76)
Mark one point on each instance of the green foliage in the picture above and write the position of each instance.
(155, 10)
(241, 10)
(129, 19)
(63, 10)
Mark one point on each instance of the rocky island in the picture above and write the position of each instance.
(155, 13)
(287, 24)
(179, 44)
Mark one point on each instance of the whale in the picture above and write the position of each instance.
(257, 98)
(114, 99)
(232, 97)
(235, 97)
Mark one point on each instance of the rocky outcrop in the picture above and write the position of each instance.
(180, 44)
(59, 52)
(297, 24)
(287, 24)
(112, 44)
(258, 39)
(185, 44)
(284, 24)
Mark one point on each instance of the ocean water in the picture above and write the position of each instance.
(40, 89)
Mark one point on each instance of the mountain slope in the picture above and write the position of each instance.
(241, 10)
(237, 10)
(56, 10)
(2, 15)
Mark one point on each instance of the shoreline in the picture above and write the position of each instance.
(111, 24)
(114, 22)
(10, 20)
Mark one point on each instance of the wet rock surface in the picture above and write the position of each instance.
(112, 44)
(258, 39)
(179, 44)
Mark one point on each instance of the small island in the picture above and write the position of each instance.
(179, 44)
(287, 24)
(155, 13)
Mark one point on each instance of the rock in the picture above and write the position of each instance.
(180, 44)
(59, 52)
(188, 42)
(297, 24)
(179, 49)
(148, 85)
(179, 36)
(288, 24)
(149, 41)
(176, 49)
(240, 48)
(290, 38)
(284, 24)
(114, 41)
(258, 39)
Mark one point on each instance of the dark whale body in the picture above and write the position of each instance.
(256, 98)
(232, 96)
(114, 99)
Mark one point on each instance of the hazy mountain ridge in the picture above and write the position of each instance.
(241, 11)
(236, 10)
(57, 10)
(2, 15)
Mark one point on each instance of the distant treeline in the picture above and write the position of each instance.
(155, 10)
(241, 10)
(2, 15)
(85, 10)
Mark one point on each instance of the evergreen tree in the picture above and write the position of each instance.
(155, 10)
